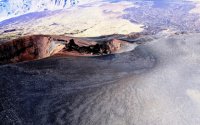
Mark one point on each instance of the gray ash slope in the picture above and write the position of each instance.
(157, 83)
(37, 92)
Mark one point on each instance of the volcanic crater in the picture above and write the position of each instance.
(42, 46)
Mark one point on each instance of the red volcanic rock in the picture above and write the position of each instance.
(42, 46)
(24, 49)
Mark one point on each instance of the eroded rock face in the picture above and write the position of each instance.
(23, 49)
(42, 46)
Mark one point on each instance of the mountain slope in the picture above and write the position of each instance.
(12, 8)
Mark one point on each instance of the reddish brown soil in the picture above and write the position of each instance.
(41, 46)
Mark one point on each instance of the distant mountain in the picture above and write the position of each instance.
(12, 8)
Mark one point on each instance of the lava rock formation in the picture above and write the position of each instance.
(42, 46)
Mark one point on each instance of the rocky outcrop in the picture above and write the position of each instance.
(97, 49)
(23, 49)
(42, 46)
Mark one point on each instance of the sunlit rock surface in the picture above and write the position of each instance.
(94, 19)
